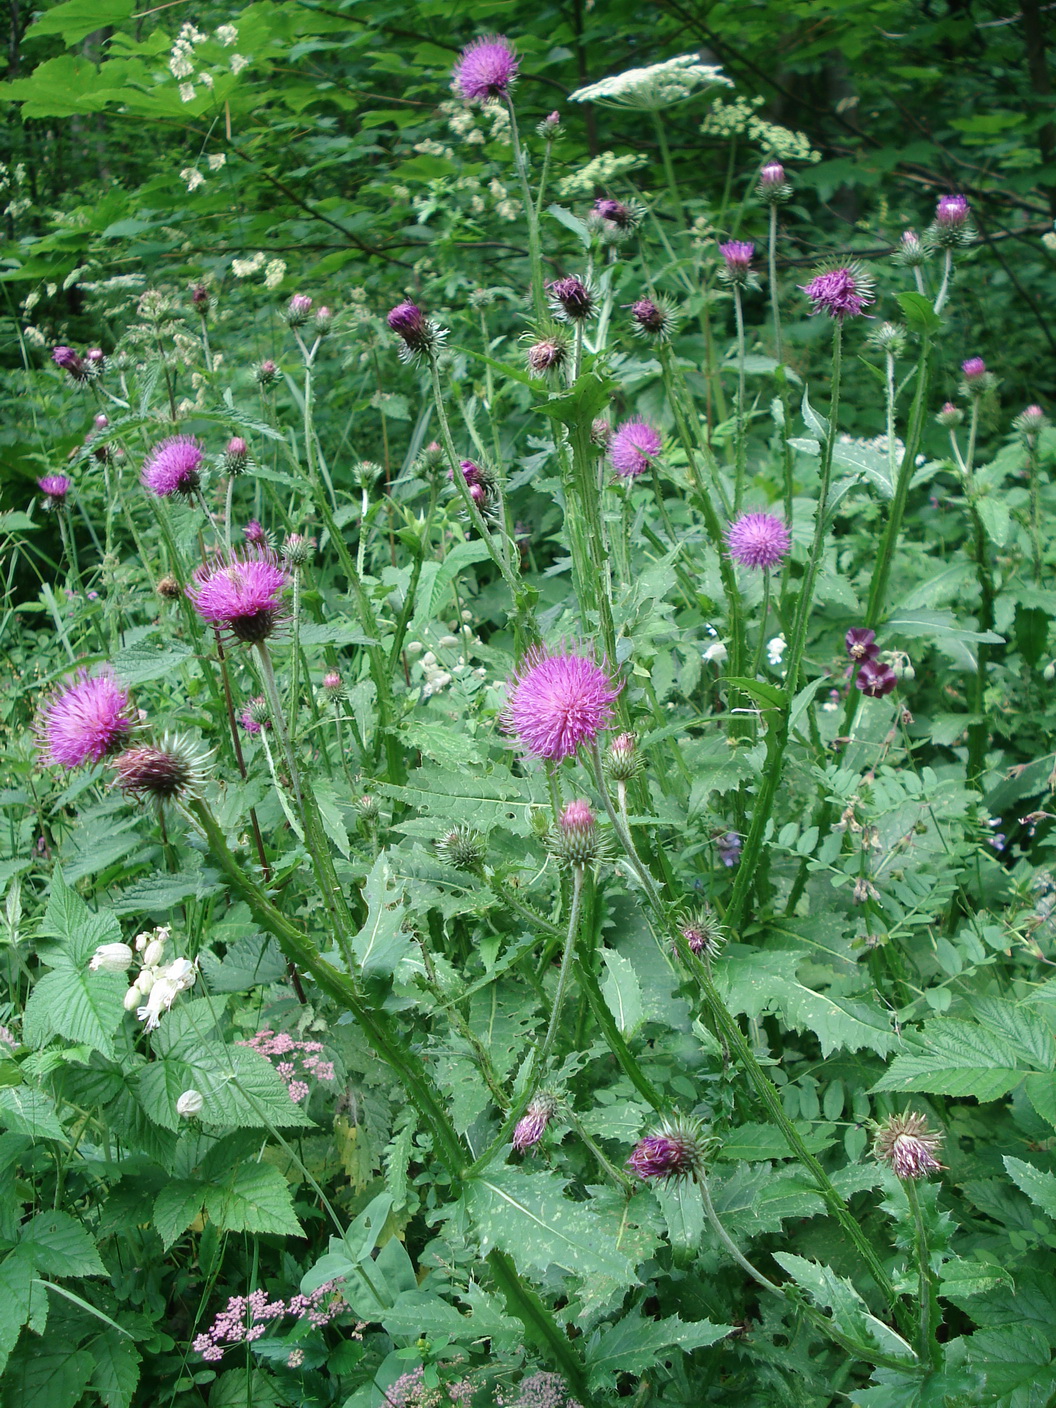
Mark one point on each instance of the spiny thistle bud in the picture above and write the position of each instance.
(952, 225)
(975, 372)
(298, 310)
(675, 1150)
(267, 373)
(702, 932)
(481, 298)
(236, 455)
(623, 761)
(190, 1104)
(323, 320)
(888, 337)
(173, 770)
(737, 258)
(532, 1125)
(912, 252)
(548, 354)
(550, 128)
(421, 337)
(571, 300)
(101, 421)
(297, 550)
(950, 416)
(773, 187)
(575, 840)
(256, 715)
(200, 298)
(652, 319)
(614, 220)
(907, 1146)
(169, 588)
(600, 433)
(366, 473)
(71, 363)
(430, 458)
(333, 685)
(368, 808)
(1030, 422)
(463, 848)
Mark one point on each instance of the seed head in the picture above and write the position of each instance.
(486, 69)
(532, 1125)
(675, 1151)
(84, 721)
(243, 594)
(876, 679)
(558, 702)
(758, 540)
(548, 354)
(174, 770)
(907, 1146)
(463, 848)
(571, 300)
(842, 291)
(173, 467)
(634, 447)
(169, 588)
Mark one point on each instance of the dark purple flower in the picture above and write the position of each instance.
(907, 1146)
(70, 362)
(420, 335)
(841, 292)
(974, 369)
(176, 768)
(55, 487)
(729, 848)
(876, 679)
(200, 298)
(486, 69)
(173, 466)
(860, 643)
(737, 256)
(547, 355)
(758, 540)
(674, 1151)
(571, 299)
(635, 445)
(84, 721)
(558, 702)
(952, 211)
(243, 594)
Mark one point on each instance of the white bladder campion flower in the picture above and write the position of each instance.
(111, 958)
(656, 87)
(190, 1103)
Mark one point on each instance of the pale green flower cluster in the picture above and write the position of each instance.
(738, 118)
(599, 172)
(658, 86)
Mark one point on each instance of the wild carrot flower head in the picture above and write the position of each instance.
(842, 291)
(54, 487)
(907, 1146)
(173, 466)
(675, 1150)
(758, 540)
(243, 594)
(85, 721)
(558, 702)
(634, 446)
(486, 69)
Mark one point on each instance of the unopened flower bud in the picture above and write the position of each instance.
(463, 848)
(297, 550)
(153, 953)
(623, 761)
(132, 998)
(601, 433)
(200, 298)
(71, 363)
(101, 421)
(298, 310)
(368, 808)
(773, 186)
(255, 534)
(1049, 672)
(324, 320)
(267, 373)
(912, 252)
(333, 686)
(950, 416)
(889, 337)
(575, 840)
(430, 458)
(190, 1104)
(550, 128)
(675, 1150)
(111, 958)
(1030, 421)
(236, 455)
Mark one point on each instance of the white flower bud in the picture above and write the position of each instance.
(1049, 672)
(190, 1103)
(111, 958)
(447, 641)
(145, 981)
(154, 953)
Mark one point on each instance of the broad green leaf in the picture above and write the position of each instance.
(812, 419)
(253, 1198)
(76, 19)
(28, 1111)
(157, 894)
(995, 517)
(768, 695)
(382, 941)
(77, 1004)
(1039, 1185)
(528, 1216)
(849, 1312)
(919, 313)
(635, 1344)
(239, 1087)
(61, 1246)
(836, 1021)
(954, 1057)
(17, 1273)
(81, 929)
(434, 587)
(451, 748)
(622, 992)
(116, 1373)
(46, 1375)
(483, 801)
(150, 661)
(176, 1207)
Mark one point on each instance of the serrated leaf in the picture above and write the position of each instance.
(27, 1111)
(837, 1021)
(116, 1373)
(849, 1312)
(77, 1004)
(60, 1245)
(434, 587)
(528, 1216)
(483, 801)
(149, 661)
(176, 1207)
(812, 419)
(382, 942)
(1039, 1186)
(254, 1198)
(76, 19)
(238, 1087)
(635, 1344)
(955, 1057)
(622, 992)
(17, 1272)
(157, 894)
(46, 1376)
(768, 695)
(82, 930)
(919, 313)
(995, 517)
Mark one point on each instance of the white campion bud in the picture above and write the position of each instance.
(154, 953)
(190, 1103)
(162, 995)
(111, 958)
(145, 981)
(132, 998)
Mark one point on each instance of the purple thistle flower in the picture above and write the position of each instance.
(605, 208)
(255, 534)
(267, 373)
(548, 354)
(55, 487)
(244, 594)
(952, 211)
(634, 446)
(576, 841)
(532, 1125)
(558, 702)
(773, 184)
(758, 540)
(860, 644)
(173, 466)
(1030, 421)
(674, 1151)
(841, 292)
(85, 721)
(298, 309)
(571, 299)
(420, 334)
(907, 1146)
(647, 314)
(974, 369)
(949, 416)
(737, 256)
(876, 679)
(255, 716)
(486, 69)
(70, 362)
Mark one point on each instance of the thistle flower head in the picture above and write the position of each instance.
(635, 446)
(550, 128)
(256, 535)
(532, 1125)
(421, 337)
(243, 594)
(950, 416)
(842, 291)
(875, 679)
(952, 210)
(600, 433)
(652, 319)
(548, 354)
(267, 373)
(912, 251)
(558, 702)
(297, 550)
(298, 310)
(256, 715)
(952, 225)
(888, 337)
(71, 362)
(172, 770)
(758, 540)
(702, 932)
(977, 381)
(737, 258)
(773, 186)
(323, 320)
(200, 298)
(463, 848)
(173, 467)
(613, 221)
(1030, 421)
(675, 1150)
(575, 841)
(623, 758)
(236, 455)
(571, 300)
(54, 487)
(907, 1146)
(101, 421)
(333, 685)
(84, 721)
(974, 368)
(486, 69)
(860, 643)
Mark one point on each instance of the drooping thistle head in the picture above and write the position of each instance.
(173, 770)
(908, 1147)
(674, 1150)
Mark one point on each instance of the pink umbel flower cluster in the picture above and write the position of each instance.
(758, 540)
(558, 702)
(245, 1318)
(243, 593)
(486, 69)
(634, 446)
(84, 722)
(410, 1390)
(297, 1062)
(540, 1390)
(173, 467)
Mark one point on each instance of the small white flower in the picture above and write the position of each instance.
(658, 86)
(111, 958)
(216, 160)
(193, 177)
(238, 62)
(775, 649)
(446, 642)
(145, 981)
(181, 973)
(206, 80)
(162, 995)
(180, 65)
(716, 652)
(227, 34)
(274, 273)
(190, 1103)
(186, 92)
(154, 953)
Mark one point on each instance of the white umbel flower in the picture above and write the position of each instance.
(658, 86)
